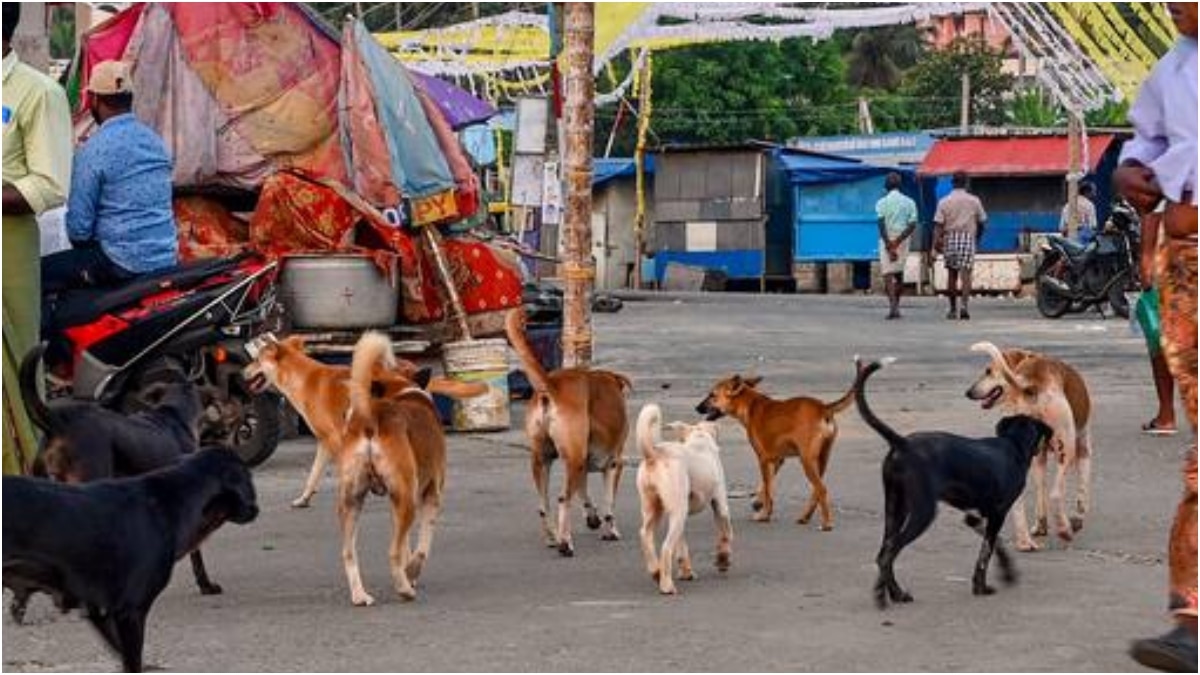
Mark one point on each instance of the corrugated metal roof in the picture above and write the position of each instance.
(1009, 156)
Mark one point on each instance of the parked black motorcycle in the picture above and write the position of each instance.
(1074, 277)
(113, 345)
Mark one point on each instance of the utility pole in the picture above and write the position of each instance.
(578, 269)
(965, 112)
(1074, 169)
(645, 105)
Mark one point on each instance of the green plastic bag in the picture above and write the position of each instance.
(1149, 320)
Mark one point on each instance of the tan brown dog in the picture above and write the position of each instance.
(798, 427)
(577, 414)
(321, 393)
(1028, 383)
(393, 445)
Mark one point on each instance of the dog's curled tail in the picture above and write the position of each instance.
(372, 353)
(1002, 363)
(835, 407)
(514, 328)
(39, 413)
(649, 431)
(860, 397)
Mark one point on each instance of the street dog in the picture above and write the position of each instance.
(320, 393)
(675, 480)
(1023, 382)
(577, 414)
(84, 441)
(393, 446)
(109, 546)
(801, 427)
(982, 477)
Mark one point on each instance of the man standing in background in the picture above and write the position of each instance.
(897, 220)
(37, 170)
(1085, 210)
(958, 226)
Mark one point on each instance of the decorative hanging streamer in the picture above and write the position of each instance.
(1152, 15)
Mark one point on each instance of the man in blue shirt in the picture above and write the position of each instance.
(119, 216)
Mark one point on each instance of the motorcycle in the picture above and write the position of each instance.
(113, 345)
(1074, 277)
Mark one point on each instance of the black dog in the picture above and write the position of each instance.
(980, 476)
(85, 441)
(109, 546)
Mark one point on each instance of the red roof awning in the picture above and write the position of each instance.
(1007, 156)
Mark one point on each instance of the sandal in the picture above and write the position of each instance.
(1151, 428)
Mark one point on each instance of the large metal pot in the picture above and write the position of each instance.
(332, 291)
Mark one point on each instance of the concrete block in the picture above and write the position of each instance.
(809, 277)
(839, 277)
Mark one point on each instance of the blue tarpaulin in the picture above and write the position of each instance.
(807, 168)
(608, 168)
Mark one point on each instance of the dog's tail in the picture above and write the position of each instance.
(835, 407)
(1000, 362)
(372, 353)
(649, 431)
(39, 413)
(455, 389)
(514, 327)
(860, 397)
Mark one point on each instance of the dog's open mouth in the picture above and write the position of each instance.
(256, 382)
(992, 397)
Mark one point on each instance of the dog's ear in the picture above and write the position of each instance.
(752, 382)
(423, 376)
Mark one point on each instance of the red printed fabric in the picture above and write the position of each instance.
(297, 215)
(208, 230)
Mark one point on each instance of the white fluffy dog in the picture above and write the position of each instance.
(676, 479)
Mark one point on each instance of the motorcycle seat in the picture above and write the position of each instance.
(81, 306)
(1073, 249)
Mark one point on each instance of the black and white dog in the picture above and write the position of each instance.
(979, 476)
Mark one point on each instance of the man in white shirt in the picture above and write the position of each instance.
(1085, 213)
(1159, 164)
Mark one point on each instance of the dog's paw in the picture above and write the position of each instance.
(565, 549)
(667, 589)
(593, 521)
(982, 589)
(881, 598)
(407, 594)
(761, 517)
(1041, 528)
(1027, 546)
(211, 589)
(827, 527)
(901, 595)
(724, 562)
(756, 505)
(1066, 534)
(1076, 523)
(413, 569)
(803, 520)
(302, 502)
(687, 575)
(361, 599)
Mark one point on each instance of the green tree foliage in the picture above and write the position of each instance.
(938, 77)
(1033, 108)
(878, 57)
(732, 92)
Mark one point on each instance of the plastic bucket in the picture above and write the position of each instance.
(479, 361)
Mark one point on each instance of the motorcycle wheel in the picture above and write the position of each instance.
(254, 433)
(1051, 303)
(1116, 296)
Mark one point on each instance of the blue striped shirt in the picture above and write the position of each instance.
(121, 196)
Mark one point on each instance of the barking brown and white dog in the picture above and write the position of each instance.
(577, 414)
(394, 446)
(1026, 383)
(798, 427)
(677, 479)
(321, 393)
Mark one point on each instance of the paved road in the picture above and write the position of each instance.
(796, 599)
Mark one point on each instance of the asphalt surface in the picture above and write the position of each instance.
(494, 598)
